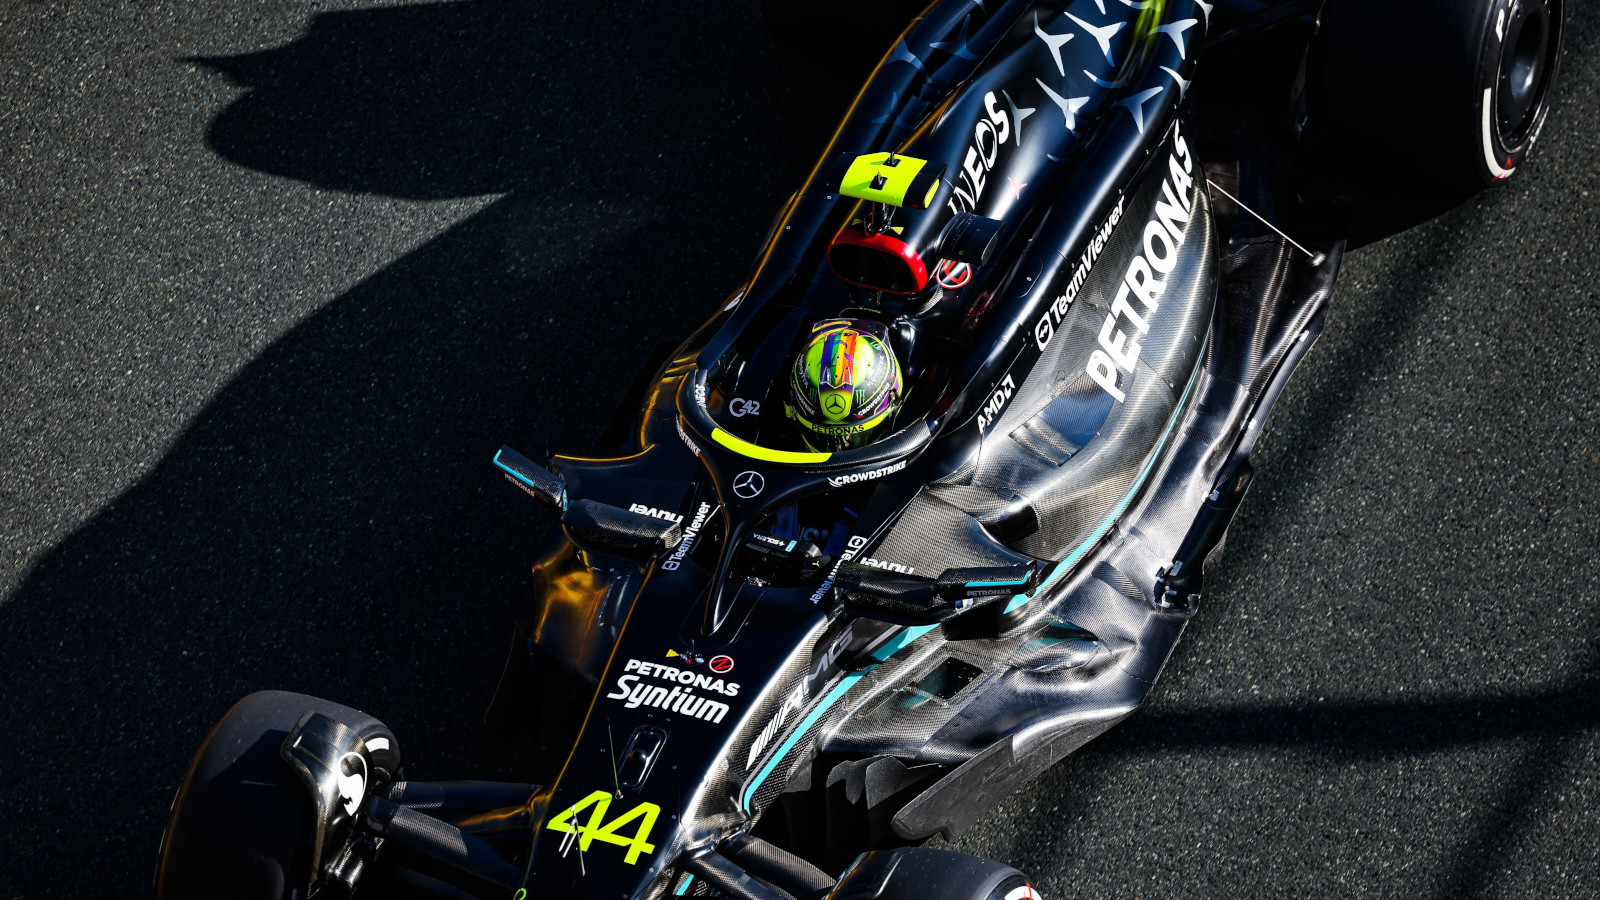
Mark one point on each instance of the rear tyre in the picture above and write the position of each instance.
(240, 824)
(1426, 102)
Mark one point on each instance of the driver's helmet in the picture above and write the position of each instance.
(845, 388)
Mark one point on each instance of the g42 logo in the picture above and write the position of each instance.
(741, 407)
(598, 829)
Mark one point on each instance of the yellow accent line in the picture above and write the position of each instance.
(605, 459)
(755, 451)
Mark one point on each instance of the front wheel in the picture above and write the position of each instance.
(241, 822)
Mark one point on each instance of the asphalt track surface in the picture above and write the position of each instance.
(276, 278)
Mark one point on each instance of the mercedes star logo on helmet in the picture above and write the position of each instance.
(834, 404)
(748, 484)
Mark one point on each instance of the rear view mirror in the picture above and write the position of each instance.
(602, 528)
(910, 600)
(538, 481)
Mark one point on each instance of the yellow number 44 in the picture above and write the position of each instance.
(597, 829)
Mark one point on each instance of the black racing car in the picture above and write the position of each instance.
(1098, 236)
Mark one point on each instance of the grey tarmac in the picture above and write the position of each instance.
(276, 279)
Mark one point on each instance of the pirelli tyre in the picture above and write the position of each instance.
(1430, 101)
(241, 821)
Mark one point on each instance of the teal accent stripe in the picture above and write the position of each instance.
(683, 888)
(996, 583)
(889, 648)
(1061, 568)
(844, 684)
(906, 636)
(512, 472)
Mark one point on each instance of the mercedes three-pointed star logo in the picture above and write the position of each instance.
(749, 484)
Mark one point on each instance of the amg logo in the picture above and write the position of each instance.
(797, 697)
(791, 705)
(654, 513)
(1163, 237)
(854, 477)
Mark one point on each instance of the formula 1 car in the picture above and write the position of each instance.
(1099, 235)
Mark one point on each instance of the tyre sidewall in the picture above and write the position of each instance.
(1497, 160)
(241, 821)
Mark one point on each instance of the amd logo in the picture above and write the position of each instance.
(997, 403)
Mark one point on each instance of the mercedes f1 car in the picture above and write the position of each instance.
(1098, 236)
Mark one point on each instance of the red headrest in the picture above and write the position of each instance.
(881, 262)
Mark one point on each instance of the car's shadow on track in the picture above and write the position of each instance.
(330, 522)
(1546, 728)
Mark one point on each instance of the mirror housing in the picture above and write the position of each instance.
(911, 600)
(606, 529)
(541, 483)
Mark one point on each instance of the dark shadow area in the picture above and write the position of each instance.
(1543, 731)
(331, 523)
(1506, 820)
(593, 100)
(1362, 731)
(432, 101)
(1389, 202)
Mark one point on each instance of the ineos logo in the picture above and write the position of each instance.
(741, 407)
(989, 134)
(749, 484)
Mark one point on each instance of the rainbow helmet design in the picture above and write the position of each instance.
(846, 387)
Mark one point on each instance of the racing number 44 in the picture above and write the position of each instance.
(597, 829)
